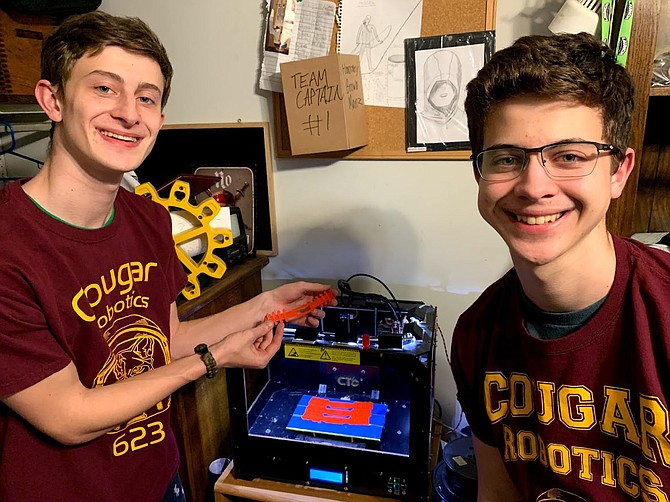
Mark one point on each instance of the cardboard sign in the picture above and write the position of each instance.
(325, 110)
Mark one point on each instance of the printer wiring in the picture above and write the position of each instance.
(346, 290)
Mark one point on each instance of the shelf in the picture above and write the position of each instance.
(25, 117)
(660, 91)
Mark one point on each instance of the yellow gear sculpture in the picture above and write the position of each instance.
(203, 214)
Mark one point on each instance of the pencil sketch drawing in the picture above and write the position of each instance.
(376, 30)
(440, 85)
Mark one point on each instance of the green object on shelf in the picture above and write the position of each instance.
(622, 43)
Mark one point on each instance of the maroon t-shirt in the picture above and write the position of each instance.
(101, 299)
(583, 417)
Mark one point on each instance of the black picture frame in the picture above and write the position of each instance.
(183, 148)
(437, 69)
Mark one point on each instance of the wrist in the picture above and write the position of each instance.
(207, 358)
(262, 306)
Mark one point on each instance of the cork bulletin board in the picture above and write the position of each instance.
(386, 125)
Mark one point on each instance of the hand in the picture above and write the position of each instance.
(293, 295)
(251, 348)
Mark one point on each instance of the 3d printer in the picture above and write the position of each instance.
(346, 406)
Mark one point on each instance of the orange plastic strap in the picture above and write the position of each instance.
(319, 301)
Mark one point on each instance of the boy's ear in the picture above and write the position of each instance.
(619, 178)
(48, 99)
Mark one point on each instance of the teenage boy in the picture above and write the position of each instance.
(562, 365)
(91, 346)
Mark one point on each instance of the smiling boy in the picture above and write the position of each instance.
(91, 346)
(562, 364)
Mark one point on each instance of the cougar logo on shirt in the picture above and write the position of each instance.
(137, 345)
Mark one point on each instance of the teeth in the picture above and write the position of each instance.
(118, 136)
(538, 220)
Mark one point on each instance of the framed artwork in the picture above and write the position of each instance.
(238, 154)
(437, 70)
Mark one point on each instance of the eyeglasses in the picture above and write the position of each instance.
(562, 160)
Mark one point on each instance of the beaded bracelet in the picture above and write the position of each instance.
(207, 358)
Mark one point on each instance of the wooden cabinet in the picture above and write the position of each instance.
(200, 409)
(645, 204)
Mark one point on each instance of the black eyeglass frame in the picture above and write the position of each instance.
(601, 147)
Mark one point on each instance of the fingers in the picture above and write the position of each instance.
(265, 329)
(250, 348)
(310, 288)
(276, 339)
(314, 288)
(293, 302)
(264, 342)
(302, 291)
(270, 340)
(314, 318)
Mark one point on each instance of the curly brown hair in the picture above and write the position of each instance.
(88, 34)
(576, 68)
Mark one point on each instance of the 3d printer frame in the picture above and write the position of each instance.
(371, 353)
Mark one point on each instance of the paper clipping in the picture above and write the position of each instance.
(295, 30)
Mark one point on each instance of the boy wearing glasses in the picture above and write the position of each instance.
(562, 365)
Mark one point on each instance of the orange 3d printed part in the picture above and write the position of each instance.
(289, 315)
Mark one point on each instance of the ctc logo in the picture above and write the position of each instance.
(348, 381)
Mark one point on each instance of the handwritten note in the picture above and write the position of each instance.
(352, 85)
(314, 28)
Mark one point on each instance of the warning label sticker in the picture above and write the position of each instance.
(322, 354)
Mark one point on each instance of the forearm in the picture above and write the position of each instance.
(61, 407)
(211, 329)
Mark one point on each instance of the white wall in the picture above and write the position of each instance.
(413, 224)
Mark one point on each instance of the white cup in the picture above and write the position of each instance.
(573, 17)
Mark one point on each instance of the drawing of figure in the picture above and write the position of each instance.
(366, 39)
(442, 118)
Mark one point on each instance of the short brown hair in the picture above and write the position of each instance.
(576, 68)
(88, 34)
